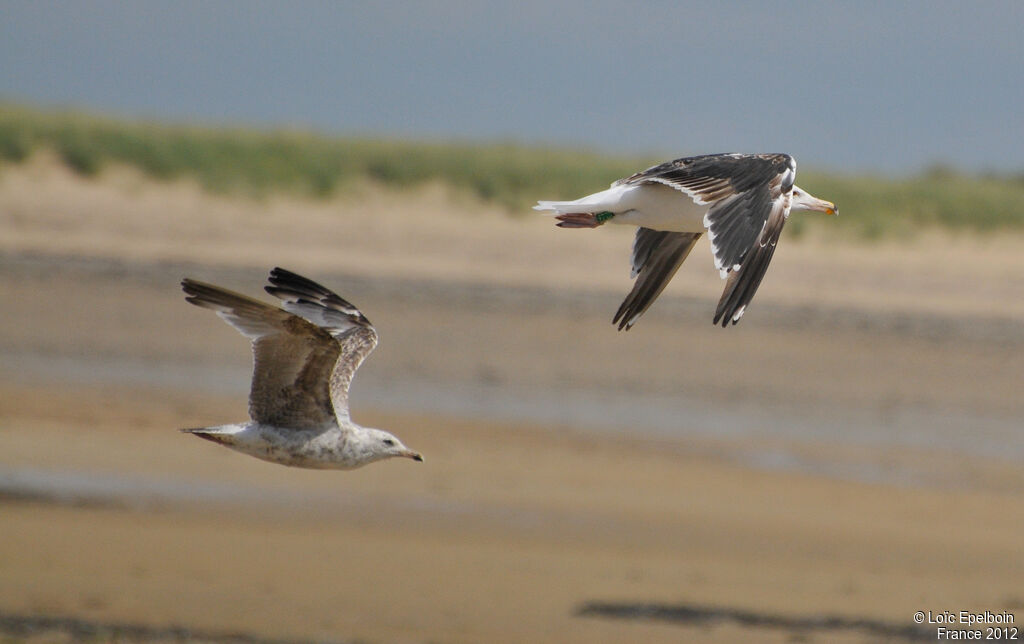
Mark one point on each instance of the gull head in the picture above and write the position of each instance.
(384, 444)
(803, 200)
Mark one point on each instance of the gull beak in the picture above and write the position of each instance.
(826, 207)
(416, 456)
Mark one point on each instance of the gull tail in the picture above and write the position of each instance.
(553, 208)
(214, 434)
(570, 214)
(610, 200)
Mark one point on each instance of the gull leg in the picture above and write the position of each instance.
(583, 219)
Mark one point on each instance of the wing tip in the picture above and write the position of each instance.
(624, 323)
(283, 274)
(201, 294)
(729, 319)
(295, 289)
(284, 277)
(190, 285)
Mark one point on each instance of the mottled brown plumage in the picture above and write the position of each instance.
(304, 358)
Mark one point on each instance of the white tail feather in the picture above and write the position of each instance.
(611, 200)
(551, 208)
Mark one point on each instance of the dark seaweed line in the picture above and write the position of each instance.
(684, 614)
(83, 630)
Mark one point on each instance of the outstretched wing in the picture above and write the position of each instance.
(292, 358)
(657, 255)
(743, 281)
(750, 197)
(352, 331)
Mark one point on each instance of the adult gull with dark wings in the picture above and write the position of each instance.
(741, 200)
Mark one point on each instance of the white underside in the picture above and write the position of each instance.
(323, 449)
(650, 205)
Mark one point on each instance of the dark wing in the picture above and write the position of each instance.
(750, 196)
(334, 315)
(292, 358)
(657, 255)
(743, 281)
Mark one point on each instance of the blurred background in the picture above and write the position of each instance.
(847, 455)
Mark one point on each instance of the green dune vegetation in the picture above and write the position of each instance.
(258, 162)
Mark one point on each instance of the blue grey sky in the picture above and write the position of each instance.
(857, 86)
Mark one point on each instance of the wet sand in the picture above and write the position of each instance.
(503, 535)
(852, 456)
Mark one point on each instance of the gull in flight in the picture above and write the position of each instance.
(304, 355)
(742, 200)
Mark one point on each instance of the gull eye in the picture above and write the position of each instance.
(389, 442)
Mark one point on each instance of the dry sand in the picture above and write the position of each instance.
(518, 519)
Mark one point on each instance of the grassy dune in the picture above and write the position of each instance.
(262, 162)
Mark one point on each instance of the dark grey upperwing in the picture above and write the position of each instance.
(292, 358)
(740, 189)
(745, 191)
(657, 255)
(743, 282)
(335, 315)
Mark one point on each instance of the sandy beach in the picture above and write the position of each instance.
(846, 456)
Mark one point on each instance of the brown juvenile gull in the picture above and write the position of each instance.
(304, 358)
(742, 200)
